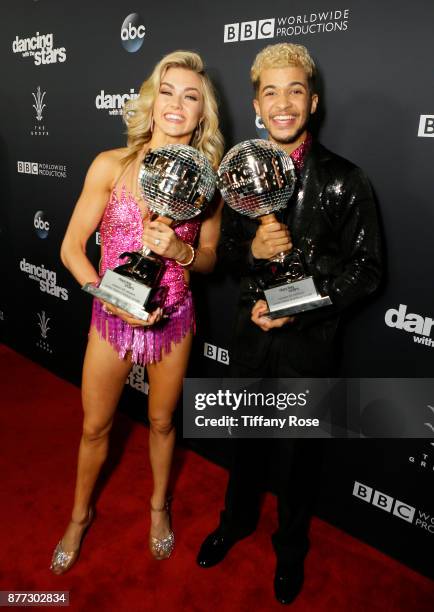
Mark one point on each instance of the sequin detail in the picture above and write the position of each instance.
(61, 558)
(299, 155)
(162, 548)
(121, 230)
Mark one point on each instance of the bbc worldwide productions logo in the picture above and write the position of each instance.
(216, 352)
(249, 30)
(133, 32)
(42, 169)
(426, 126)
(397, 508)
(288, 26)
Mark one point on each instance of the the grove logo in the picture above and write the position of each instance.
(41, 225)
(39, 103)
(39, 106)
(429, 424)
(44, 328)
(43, 324)
(132, 33)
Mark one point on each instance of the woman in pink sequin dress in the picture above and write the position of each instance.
(176, 104)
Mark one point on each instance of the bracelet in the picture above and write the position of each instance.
(192, 258)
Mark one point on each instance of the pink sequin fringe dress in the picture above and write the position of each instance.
(121, 230)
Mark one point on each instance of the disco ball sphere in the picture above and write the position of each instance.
(176, 181)
(256, 178)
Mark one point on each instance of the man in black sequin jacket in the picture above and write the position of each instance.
(332, 219)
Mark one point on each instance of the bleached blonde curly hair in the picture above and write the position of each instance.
(137, 112)
(283, 55)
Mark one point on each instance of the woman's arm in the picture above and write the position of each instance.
(174, 248)
(206, 252)
(84, 221)
(87, 215)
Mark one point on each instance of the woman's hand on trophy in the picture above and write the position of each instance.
(260, 318)
(270, 240)
(161, 239)
(153, 318)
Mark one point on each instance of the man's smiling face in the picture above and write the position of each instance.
(284, 102)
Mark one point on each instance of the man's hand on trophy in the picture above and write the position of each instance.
(270, 240)
(153, 318)
(161, 239)
(260, 318)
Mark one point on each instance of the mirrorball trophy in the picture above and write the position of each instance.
(177, 183)
(257, 178)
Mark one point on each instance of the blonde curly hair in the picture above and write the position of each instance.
(283, 55)
(137, 112)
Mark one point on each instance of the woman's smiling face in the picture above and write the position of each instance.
(178, 107)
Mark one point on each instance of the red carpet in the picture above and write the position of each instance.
(40, 424)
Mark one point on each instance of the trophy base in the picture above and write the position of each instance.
(134, 309)
(294, 297)
(292, 309)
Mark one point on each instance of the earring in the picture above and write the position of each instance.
(151, 126)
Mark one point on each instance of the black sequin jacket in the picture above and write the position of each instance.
(333, 221)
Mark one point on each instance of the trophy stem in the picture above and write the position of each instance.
(267, 219)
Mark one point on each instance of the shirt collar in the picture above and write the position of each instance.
(298, 156)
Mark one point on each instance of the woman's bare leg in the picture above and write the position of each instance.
(165, 386)
(104, 376)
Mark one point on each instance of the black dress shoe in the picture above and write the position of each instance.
(214, 548)
(288, 584)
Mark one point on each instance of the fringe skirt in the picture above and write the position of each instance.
(146, 344)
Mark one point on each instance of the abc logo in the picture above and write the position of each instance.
(260, 128)
(41, 226)
(132, 33)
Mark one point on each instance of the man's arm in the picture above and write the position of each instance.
(358, 229)
(246, 250)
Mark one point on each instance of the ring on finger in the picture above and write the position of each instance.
(157, 241)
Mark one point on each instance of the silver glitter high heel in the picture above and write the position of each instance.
(162, 548)
(62, 560)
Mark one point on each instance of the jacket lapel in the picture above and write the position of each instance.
(308, 197)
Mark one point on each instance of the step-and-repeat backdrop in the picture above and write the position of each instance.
(67, 69)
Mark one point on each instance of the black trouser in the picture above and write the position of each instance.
(293, 466)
